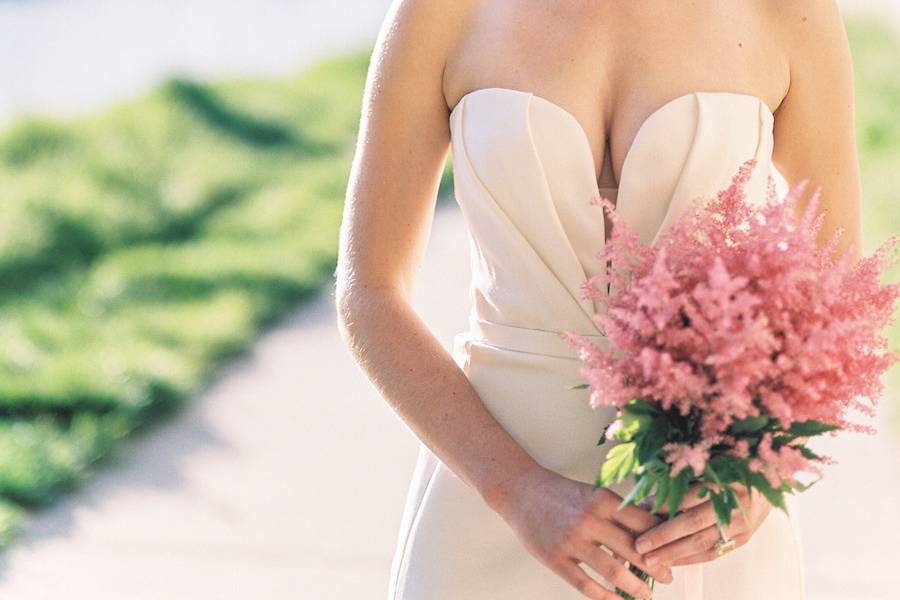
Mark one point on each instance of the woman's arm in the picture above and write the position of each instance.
(403, 142)
(815, 133)
(814, 139)
(401, 150)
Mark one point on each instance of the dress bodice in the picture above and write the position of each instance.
(524, 179)
(525, 182)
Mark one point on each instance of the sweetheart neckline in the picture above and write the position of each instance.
(653, 114)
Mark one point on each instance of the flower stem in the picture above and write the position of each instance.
(642, 576)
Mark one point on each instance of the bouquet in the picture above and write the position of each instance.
(731, 341)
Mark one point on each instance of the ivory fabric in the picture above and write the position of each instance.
(524, 176)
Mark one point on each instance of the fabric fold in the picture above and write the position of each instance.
(517, 216)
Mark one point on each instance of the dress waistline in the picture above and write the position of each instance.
(532, 340)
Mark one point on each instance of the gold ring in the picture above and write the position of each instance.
(723, 547)
(725, 544)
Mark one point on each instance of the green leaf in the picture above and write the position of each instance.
(808, 453)
(803, 487)
(736, 503)
(650, 444)
(678, 488)
(750, 424)
(726, 491)
(811, 427)
(620, 462)
(728, 468)
(731, 469)
(639, 490)
(579, 386)
(782, 439)
(603, 439)
(632, 425)
(703, 492)
(723, 505)
(657, 466)
(775, 497)
(662, 490)
(642, 407)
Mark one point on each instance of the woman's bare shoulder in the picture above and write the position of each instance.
(434, 18)
(415, 39)
(815, 136)
(806, 25)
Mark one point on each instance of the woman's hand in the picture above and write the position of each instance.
(689, 537)
(564, 522)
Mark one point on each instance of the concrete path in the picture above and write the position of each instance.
(286, 479)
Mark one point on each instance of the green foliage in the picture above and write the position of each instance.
(642, 407)
(632, 425)
(774, 496)
(678, 488)
(142, 246)
(724, 503)
(655, 436)
(620, 462)
(876, 53)
(810, 428)
(639, 491)
(661, 495)
(750, 425)
(723, 496)
(729, 469)
(644, 429)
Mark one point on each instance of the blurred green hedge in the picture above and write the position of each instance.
(876, 57)
(142, 246)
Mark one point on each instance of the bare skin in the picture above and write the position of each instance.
(610, 64)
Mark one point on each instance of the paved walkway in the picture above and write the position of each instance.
(286, 479)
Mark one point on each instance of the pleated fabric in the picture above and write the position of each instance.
(524, 180)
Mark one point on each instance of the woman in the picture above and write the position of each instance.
(544, 104)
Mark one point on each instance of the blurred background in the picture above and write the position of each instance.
(178, 416)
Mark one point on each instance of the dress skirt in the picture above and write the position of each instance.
(452, 546)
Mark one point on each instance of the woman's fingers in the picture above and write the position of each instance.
(598, 559)
(708, 555)
(682, 525)
(571, 571)
(632, 517)
(701, 542)
(691, 499)
(621, 542)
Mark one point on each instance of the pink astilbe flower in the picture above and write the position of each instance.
(729, 340)
(681, 456)
(741, 449)
(738, 311)
(781, 465)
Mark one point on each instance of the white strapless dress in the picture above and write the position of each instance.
(524, 176)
